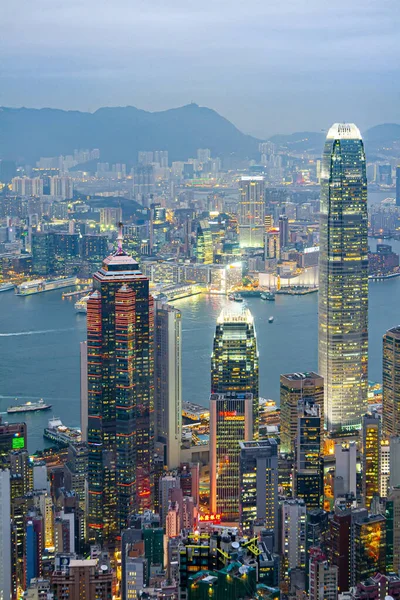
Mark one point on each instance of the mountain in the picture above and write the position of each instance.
(382, 134)
(301, 141)
(26, 134)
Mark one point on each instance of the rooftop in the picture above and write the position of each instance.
(344, 131)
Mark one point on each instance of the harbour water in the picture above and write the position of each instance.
(40, 335)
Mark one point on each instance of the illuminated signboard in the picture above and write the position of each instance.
(227, 413)
(210, 518)
(18, 442)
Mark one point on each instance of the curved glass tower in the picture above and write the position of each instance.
(343, 291)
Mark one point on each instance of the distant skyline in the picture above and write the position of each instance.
(296, 65)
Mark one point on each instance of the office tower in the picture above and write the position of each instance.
(384, 474)
(231, 422)
(343, 274)
(345, 469)
(166, 484)
(168, 381)
(323, 577)
(120, 395)
(84, 389)
(371, 463)
(272, 249)
(369, 552)
(78, 579)
(392, 515)
(283, 231)
(258, 499)
(308, 481)
(391, 382)
(135, 577)
(93, 246)
(204, 243)
(251, 212)
(293, 535)
(297, 388)
(43, 253)
(340, 546)
(5, 535)
(234, 360)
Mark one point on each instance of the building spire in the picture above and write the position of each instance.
(120, 238)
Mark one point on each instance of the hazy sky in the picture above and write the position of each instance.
(268, 65)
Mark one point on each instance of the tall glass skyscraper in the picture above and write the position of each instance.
(120, 396)
(234, 360)
(343, 291)
(251, 212)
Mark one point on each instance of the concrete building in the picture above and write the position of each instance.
(346, 469)
(5, 535)
(391, 382)
(251, 212)
(293, 535)
(323, 577)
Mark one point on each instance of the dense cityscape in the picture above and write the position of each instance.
(153, 495)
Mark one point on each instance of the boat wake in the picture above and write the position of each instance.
(34, 332)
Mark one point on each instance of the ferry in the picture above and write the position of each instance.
(29, 407)
(271, 320)
(81, 304)
(61, 434)
(5, 287)
(36, 286)
(268, 296)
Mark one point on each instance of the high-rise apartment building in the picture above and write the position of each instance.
(251, 212)
(78, 579)
(323, 577)
(372, 436)
(231, 422)
(26, 186)
(391, 383)
(343, 274)
(293, 534)
(204, 243)
(234, 360)
(168, 381)
(258, 499)
(62, 187)
(120, 395)
(295, 389)
(272, 248)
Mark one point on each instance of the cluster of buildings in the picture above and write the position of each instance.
(311, 511)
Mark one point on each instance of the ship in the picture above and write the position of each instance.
(29, 407)
(81, 304)
(5, 287)
(271, 320)
(267, 296)
(235, 297)
(36, 286)
(60, 434)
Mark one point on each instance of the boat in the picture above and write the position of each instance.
(267, 296)
(29, 407)
(36, 286)
(271, 320)
(59, 433)
(81, 304)
(235, 297)
(5, 287)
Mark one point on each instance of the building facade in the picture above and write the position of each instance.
(251, 212)
(343, 287)
(391, 382)
(120, 395)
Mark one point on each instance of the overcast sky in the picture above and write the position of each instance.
(269, 66)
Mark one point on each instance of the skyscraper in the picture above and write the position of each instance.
(251, 212)
(308, 472)
(120, 395)
(295, 389)
(343, 286)
(168, 381)
(259, 484)
(371, 457)
(204, 243)
(231, 422)
(283, 231)
(391, 382)
(234, 360)
(5, 535)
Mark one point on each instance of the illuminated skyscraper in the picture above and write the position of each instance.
(295, 389)
(168, 381)
(204, 243)
(231, 422)
(283, 231)
(234, 361)
(343, 285)
(371, 457)
(308, 482)
(391, 382)
(120, 395)
(251, 212)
